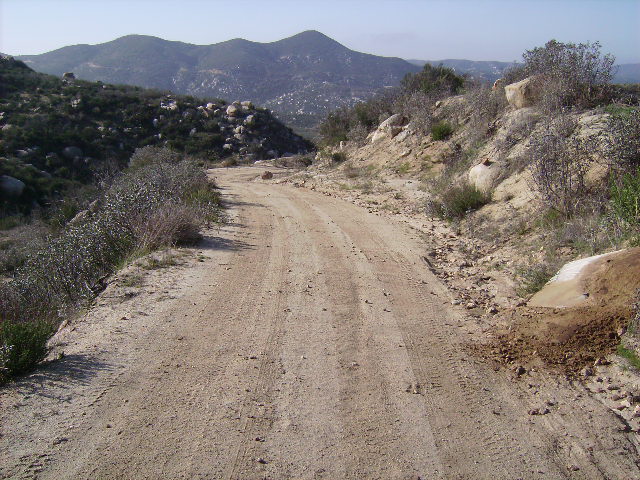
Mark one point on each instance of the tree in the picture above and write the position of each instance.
(567, 74)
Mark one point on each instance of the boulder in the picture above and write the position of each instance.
(267, 175)
(521, 94)
(11, 187)
(232, 110)
(247, 104)
(484, 175)
(250, 120)
(71, 152)
(389, 128)
(211, 106)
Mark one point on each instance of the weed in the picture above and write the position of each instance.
(338, 157)
(7, 223)
(456, 201)
(22, 346)
(534, 277)
(403, 168)
(132, 280)
(166, 260)
(441, 130)
(630, 355)
(352, 172)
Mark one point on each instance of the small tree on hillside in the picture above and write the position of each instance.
(433, 79)
(569, 74)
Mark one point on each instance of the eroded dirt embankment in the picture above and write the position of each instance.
(306, 339)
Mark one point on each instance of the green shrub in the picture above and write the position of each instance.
(22, 346)
(433, 79)
(625, 201)
(455, 202)
(441, 130)
(534, 277)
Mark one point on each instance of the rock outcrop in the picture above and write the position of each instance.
(391, 127)
(11, 187)
(521, 94)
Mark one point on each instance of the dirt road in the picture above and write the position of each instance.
(309, 341)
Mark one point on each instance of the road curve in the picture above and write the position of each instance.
(311, 342)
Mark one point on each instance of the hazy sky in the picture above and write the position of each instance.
(420, 29)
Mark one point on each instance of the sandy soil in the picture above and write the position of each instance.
(306, 339)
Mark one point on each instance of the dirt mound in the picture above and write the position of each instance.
(567, 339)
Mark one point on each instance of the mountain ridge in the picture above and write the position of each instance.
(301, 77)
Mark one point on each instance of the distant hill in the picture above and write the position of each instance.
(300, 78)
(628, 73)
(59, 133)
(490, 71)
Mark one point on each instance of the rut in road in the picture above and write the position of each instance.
(313, 342)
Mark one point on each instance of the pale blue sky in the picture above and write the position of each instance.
(422, 29)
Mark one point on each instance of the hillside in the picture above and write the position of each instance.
(527, 197)
(59, 132)
(300, 78)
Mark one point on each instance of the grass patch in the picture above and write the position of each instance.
(441, 130)
(630, 355)
(403, 168)
(457, 201)
(618, 109)
(164, 261)
(132, 280)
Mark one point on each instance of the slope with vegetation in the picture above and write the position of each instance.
(541, 169)
(61, 133)
(92, 175)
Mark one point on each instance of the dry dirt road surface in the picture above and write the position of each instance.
(309, 341)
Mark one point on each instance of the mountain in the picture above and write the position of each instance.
(628, 73)
(300, 78)
(59, 133)
(490, 71)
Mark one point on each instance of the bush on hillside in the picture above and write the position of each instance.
(457, 201)
(160, 203)
(559, 164)
(567, 74)
(441, 130)
(625, 202)
(439, 79)
(623, 142)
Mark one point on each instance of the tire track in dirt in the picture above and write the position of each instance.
(311, 338)
(455, 394)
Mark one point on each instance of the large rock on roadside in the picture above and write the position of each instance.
(521, 94)
(391, 127)
(484, 175)
(233, 110)
(11, 187)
